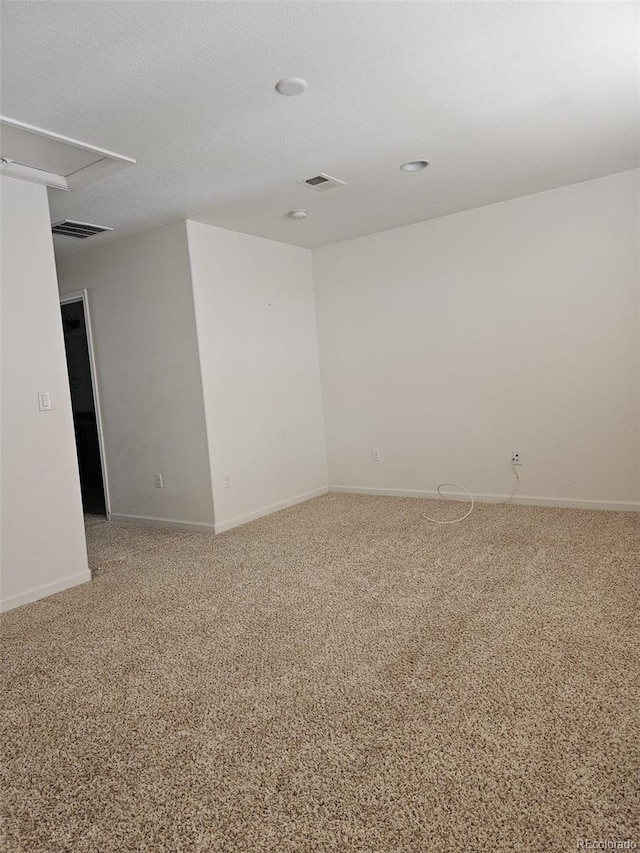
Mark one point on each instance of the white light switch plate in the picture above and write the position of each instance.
(44, 401)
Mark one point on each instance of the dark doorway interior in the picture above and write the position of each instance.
(84, 410)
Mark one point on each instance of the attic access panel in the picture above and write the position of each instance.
(42, 157)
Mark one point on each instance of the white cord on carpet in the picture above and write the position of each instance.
(447, 497)
(473, 503)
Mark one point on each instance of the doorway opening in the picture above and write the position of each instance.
(84, 402)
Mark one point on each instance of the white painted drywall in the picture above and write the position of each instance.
(148, 374)
(449, 343)
(259, 358)
(43, 546)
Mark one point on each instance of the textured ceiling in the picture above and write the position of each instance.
(505, 99)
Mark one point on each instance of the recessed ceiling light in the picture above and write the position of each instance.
(291, 86)
(298, 214)
(415, 165)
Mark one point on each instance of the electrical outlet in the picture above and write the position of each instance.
(375, 454)
(159, 481)
(516, 457)
(227, 481)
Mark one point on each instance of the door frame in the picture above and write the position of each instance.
(83, 296)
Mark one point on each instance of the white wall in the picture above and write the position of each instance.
(259, 358)
(148, 374)
(449, 343)
(42, 543)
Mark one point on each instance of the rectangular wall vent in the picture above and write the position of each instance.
(321, 183)
(78, 229)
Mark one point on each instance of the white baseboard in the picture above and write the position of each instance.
(525, 500)
(267, 510)
(44, 591)
(172, 523)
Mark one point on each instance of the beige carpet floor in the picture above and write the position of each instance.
(340, 676)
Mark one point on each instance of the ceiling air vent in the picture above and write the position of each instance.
(323, 182)
(78, 229)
